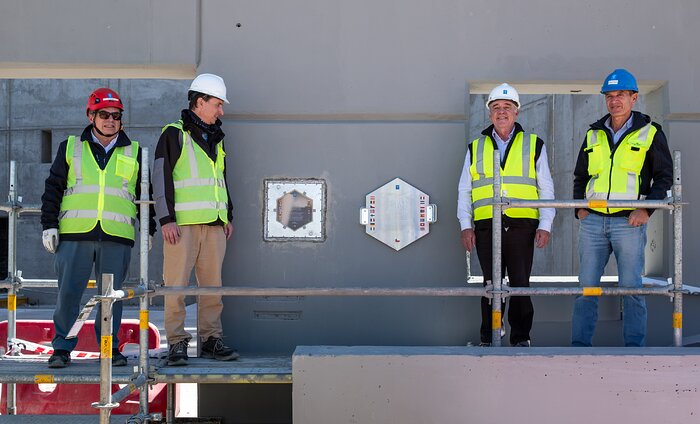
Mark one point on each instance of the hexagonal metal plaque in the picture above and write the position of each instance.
(397, 214)
(294, 210)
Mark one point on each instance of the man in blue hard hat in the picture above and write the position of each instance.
(624, 156)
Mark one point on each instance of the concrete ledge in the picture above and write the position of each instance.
(370, 384)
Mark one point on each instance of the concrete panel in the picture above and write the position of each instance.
(99, 32)
(155, 102)
(4, 104)
(353, 160)
(25, 146)
(337, 56)
(450, 385)
(48, 103)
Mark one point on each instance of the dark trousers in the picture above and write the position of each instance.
(74, 263)
(517, 249)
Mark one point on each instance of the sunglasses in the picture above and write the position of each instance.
(103, 114)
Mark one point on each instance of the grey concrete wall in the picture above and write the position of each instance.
(102, 33)
(358, 385)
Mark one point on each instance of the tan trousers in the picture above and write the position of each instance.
(201, 247)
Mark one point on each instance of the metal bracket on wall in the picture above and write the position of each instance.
(294, 210)
(397, 214)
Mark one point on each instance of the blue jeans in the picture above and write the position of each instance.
(74, 262)
(598, 237)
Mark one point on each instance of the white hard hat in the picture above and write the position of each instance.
(504, 92)
(210, 84)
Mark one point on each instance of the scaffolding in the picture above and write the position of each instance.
(278, 369)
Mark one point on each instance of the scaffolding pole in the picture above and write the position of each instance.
(677, 252)
(11, 273)
(105, 404)
(143, 300)
(496, 306)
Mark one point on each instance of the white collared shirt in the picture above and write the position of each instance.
(107, 147)
(625, 127)
(545, 187)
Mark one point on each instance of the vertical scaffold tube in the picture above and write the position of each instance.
(11, 276)
(677, 252)
(496, 252)
(144, 209)
(105, 403)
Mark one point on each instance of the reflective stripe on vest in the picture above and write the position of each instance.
(518, 176)
(616, 179)
(94, 196)
(200, 188)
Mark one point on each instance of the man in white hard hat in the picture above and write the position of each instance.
(194, 209)
(524, 175)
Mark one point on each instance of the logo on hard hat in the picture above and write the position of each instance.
(612, 82)
(505, 91)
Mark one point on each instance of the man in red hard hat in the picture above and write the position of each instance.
(88, 216)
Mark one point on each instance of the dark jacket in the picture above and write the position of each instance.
(57, 182)
(656, 176)
(167, 154)
(507, 221)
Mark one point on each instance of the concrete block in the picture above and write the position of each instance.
(370, 384)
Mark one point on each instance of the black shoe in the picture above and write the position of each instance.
(118, 360)
(485, 344)
(214, 348)
(59, 359)
(523, 343)
(177, 355)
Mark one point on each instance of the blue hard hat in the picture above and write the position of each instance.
(619, 79)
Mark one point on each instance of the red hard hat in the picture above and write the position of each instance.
(103, 98)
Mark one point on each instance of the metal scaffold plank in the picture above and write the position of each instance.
(245, 370)
(59, 419)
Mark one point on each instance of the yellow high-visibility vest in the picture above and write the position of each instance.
(200, 188)
(616, 178)
(95, 196)
(518, 176)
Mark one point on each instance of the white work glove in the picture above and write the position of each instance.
(50, 239)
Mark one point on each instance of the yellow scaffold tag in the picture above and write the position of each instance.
(496, 319)
(91, 284)
(106, 347)
(43, 379)
(129, 294)
(597, 204)
(143, 320)
(12, 302)
(677, 320)
(592, 291)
